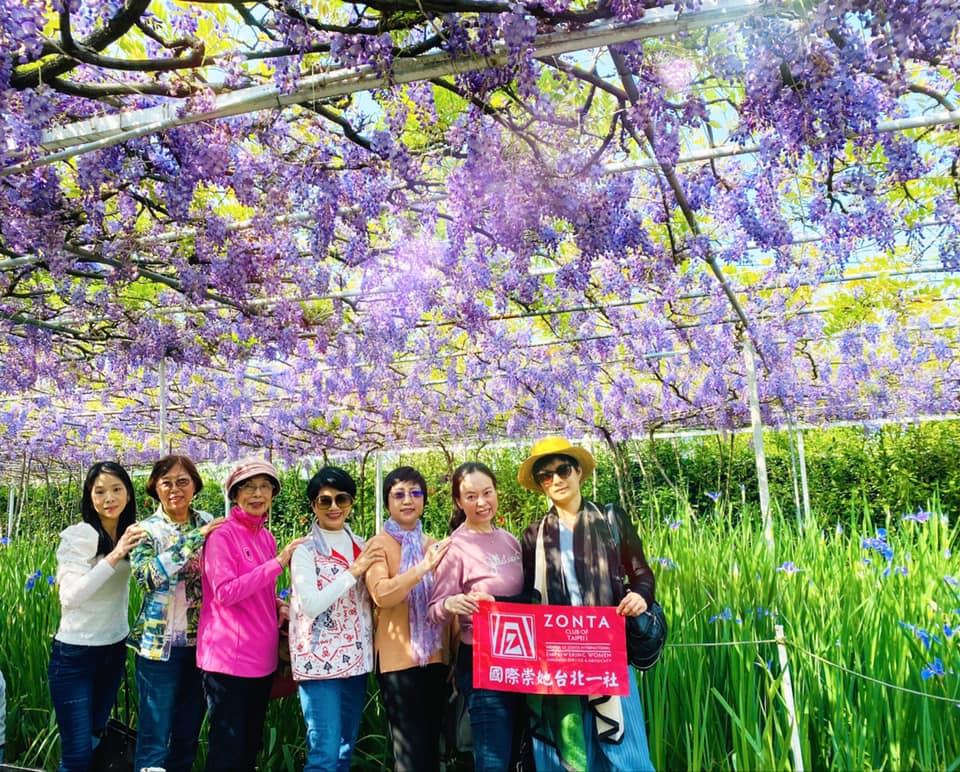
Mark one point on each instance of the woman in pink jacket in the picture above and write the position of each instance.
(240, 619)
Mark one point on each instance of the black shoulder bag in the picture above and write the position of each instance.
(117, 748)
(647, 633)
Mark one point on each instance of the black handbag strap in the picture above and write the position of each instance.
(126, 693)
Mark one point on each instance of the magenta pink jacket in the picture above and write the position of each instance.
(239, 632)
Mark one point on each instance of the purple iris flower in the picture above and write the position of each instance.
(920, 516)
(788, 568)
(934, 668)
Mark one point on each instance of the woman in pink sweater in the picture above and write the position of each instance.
(240, 619)
(482, 563)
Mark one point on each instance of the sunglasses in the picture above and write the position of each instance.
(545, 476)
(399, 496)
(342, 500)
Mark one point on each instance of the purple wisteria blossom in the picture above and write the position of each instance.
(458, 255)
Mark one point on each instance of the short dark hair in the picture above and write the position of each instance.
(468, 467)
(404, 474)
(333, 476)
(167, 463)
(127, 517)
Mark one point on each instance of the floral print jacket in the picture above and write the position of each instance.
(170, 554)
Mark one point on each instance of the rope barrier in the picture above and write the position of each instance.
(718, 643)
(823, 660)
(871, 679)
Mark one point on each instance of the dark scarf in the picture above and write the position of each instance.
(558, 721)
(596, 559)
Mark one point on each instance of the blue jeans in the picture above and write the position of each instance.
(171, 710)
(238, 708)
(632, 752)
(332, 708)
(83, 687)
(493, 717)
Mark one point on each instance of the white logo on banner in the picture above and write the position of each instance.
(513, 636)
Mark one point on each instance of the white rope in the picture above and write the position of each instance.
(822, 660)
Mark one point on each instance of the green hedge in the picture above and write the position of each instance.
(889, 470)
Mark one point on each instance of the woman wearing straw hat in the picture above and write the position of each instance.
(571, 557)
(239, 631)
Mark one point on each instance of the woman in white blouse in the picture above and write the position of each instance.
(89, 649)
(331, 623)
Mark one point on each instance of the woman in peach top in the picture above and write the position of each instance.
(411, 651)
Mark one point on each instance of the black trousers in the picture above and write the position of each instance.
(415, 700)
(237, 709)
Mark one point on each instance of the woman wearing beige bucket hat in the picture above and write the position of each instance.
(571, 557)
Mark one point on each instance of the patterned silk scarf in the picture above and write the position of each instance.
(425, 637)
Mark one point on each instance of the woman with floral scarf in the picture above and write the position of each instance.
(411, 650)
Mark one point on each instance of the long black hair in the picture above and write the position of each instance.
(468, 467)
(127, 517)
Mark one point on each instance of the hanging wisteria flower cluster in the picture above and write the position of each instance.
(503, 231)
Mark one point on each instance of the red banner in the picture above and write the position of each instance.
(550, 649)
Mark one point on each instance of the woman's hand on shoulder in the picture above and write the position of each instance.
(206, 528)
(433, 555)
(632, 605)
(132, 536)
(287, 552)
(371, 553)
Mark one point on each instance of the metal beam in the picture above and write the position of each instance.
(104, 131)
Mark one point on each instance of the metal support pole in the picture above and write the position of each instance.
(163, 405)
(787, 686)
(803, 478)
(760, 455)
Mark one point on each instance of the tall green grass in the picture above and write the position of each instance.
(865, 617)
(868, 628)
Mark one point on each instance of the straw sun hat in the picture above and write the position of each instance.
(552, 446)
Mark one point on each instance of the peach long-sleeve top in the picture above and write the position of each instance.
(389, 589)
